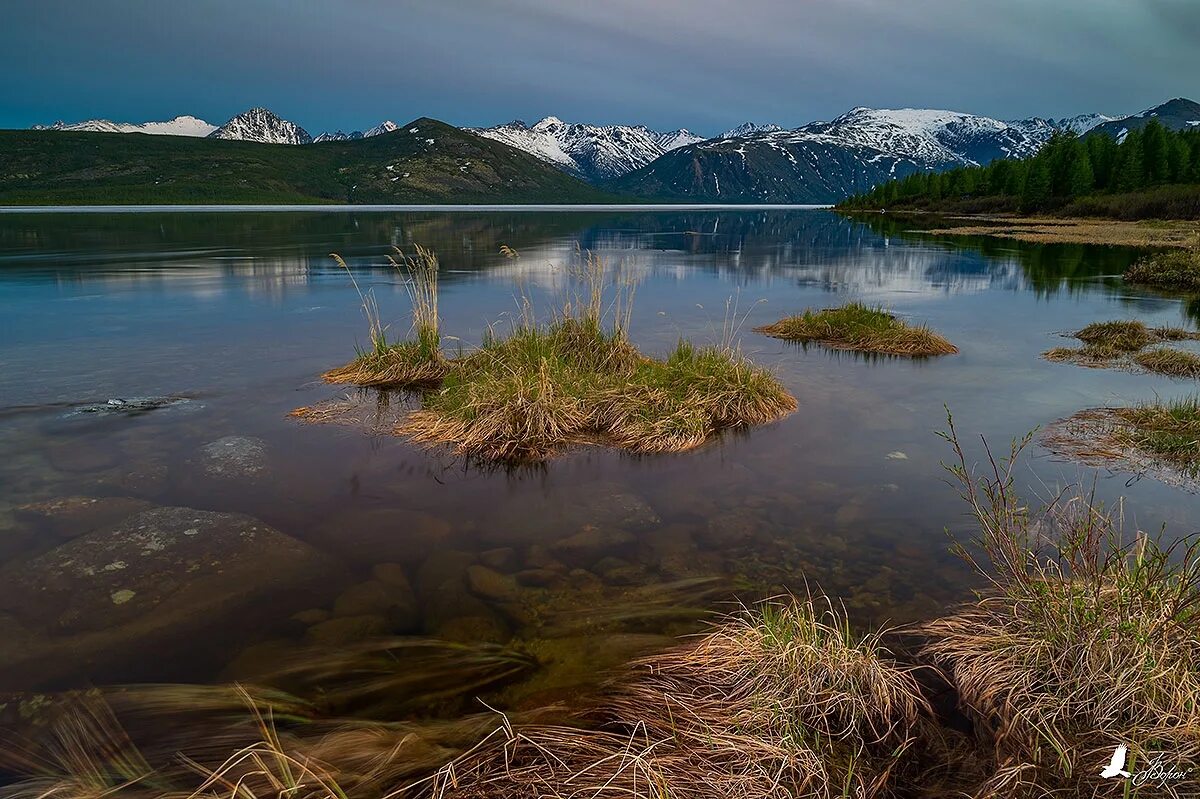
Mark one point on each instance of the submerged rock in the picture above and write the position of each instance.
(68, 517)
(491, 584)
(347, 630)
(155, 569)
(392, 535)
(531, 519)
(234, 456)
(128, 405)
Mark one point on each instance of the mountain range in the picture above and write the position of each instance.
(821, 162)
(425, 161)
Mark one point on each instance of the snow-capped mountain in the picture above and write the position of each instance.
(259, 124)
(179, 126)
(1177, 114)
(749, 129)
(387, 126)
(594, 152)
(1082, 123)
(824, 162)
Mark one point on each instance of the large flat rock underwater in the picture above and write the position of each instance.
(151, 580)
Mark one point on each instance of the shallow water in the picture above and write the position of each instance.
(237, 313)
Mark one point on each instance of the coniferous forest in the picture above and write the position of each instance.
(1151, 173)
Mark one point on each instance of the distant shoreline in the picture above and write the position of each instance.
(127, 209)
(1051, 229)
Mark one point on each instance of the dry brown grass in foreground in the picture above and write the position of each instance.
(859, 327)
(1082, 642)
(781, 702)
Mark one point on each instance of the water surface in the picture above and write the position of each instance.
(239, 312)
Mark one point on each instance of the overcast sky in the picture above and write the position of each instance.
(702, 64)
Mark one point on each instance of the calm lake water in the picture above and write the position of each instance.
(577, 564)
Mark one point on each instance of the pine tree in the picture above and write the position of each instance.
(1130, 172)
(1037, 185)
(1082, 179)
(1154, 152)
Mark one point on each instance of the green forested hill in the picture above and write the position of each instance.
(425, 161)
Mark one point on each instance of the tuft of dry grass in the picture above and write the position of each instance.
(1083, 640)
(543, 390)
(860, 327)
(782, 701)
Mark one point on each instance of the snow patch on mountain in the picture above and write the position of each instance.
(179, 126)
(596, 152)
(261, 125)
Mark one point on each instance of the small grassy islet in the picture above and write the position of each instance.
(863, 328)
(547, 387)
(1124, 343)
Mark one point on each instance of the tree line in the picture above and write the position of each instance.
(1068, 167)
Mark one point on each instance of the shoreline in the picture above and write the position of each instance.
(1055, 230)
(283, 207)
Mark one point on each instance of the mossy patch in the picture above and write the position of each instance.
(860, 327)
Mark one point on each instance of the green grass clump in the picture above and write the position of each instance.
(1176, 270)
(544, 389)
(1117, 336)
(1168, 361)
(1124, 342)
(1168, 430)
(1083, 640)
(860, 327)
(412, 363)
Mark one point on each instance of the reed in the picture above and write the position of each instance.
(411, 363)
(863, 328)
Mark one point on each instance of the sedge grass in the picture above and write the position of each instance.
(1167, 430)
(1083, 640)
(863, 328)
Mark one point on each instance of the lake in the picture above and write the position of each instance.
(346, 537)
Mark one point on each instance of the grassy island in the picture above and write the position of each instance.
(1131, 344)
(544, 388)
(863, 328)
